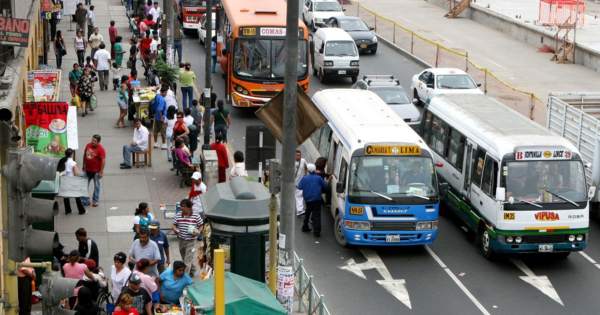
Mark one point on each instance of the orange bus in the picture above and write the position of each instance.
(253, 34)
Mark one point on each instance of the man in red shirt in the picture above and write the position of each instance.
(112, 33)
(221, 156)
(94, 158)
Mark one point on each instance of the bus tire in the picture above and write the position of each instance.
(484, 242)
(339, 234)
(416, 96)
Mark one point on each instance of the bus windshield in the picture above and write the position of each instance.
(541, 182)
(265, 58)
(397, 176)
(455, 81)
(194, 3)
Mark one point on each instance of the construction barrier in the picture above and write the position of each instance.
(437, 55)
(557, 12)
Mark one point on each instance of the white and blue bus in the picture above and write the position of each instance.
(385, 189)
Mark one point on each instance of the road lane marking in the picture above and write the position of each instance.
(590, 259)
(455, 279)
(541, 283)
(496, 64)
(396, 287)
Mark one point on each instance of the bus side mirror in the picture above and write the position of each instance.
(415, 101)
(339, 187)
(429, 85)
(591, 192)
(478, 84)
(500, 194)
(443, 189)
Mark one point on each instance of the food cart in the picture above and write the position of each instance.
(141, 98)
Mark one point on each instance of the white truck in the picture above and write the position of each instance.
(576, 117)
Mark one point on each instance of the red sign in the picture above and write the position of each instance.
(46, 5)
(546, 216)
(14, 32)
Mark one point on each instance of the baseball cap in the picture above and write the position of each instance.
(154, 224)
(197, 176)
(311, 168)
(135, 278)
(90, 264)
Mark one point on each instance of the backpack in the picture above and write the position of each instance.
(152, 108)
(152, 80)
(143, 222)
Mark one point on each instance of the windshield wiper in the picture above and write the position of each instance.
(563, 198)
(529, 202)
(415, 195)
(381, 195)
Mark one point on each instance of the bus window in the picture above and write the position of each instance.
(265, 58)
(336, 161)
(441, 135)
(434, 126)
(315, 137)
(456, 149)
(478, 167)
(427, 126)
(325, 142)
(343, 172)
(488, 185)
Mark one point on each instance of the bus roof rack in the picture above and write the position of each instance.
(378, 76)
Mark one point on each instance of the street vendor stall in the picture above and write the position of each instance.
(141, 100)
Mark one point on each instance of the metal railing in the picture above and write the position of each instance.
(308, 296)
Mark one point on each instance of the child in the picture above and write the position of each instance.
(125, 306)
(117, 74)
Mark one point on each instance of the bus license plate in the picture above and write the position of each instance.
(546, 248)
(341, 71)
(394, 238)
(363, 46)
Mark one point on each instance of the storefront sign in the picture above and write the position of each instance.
(51, 127)
(14, 32)
(43, 86)
(69, 7)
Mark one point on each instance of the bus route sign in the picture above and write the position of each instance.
(392, 150)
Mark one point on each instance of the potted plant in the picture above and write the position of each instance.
(166, 72)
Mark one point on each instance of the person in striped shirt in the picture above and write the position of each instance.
(187, 225)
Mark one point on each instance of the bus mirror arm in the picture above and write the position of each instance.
(500, 194)
(339, 188)
(443, 190)
(591, 192)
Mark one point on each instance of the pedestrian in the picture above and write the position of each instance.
(154, 80)
(321, 164)
(187, 225)
(125, 306)
(143, 247)
(75, 270)
(154, 46)
(80, 18)
(141, 269)
(177, 37)
(160, 118)
(141, 10)
(95, 40)
(141, 219)
(213, 53)
(122, 101)
(221, 119)
(85, 304)
(155, 12)
(128, 5)
(85, 86)
(119, 51)
(87, 2)
(87, 247)
(300, 171)
(180, 129)
(133, 50)
(91, 20)
(161, 239)
(186, 81)
(239, 168)
(80, 46)
(74, 76)
(98, 273)
(312, 186)
(139, 143)
(53, 22)
(188, 118)
(266, 178)
(119, 275)
(150, 23)
(149, 6)
(223, 62)
(112, 34)
(71, 170)
(145, 42)
(60, 48)
(103, 59)
(182, 156)
(170, 122)
(94, 159)
(143, 26)
(198, 188)
(221, 156)
(142, 300)
(170, 99)
(172, 282)
(117, 73)
(25, 276)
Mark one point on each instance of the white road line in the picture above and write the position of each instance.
(521, 265)
(590, 259)
(455, 279)
(496, 64)
(541, 283)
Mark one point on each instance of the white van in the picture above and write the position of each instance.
(334, 53)
(317, 12)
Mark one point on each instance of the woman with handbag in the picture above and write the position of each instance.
(70, 171)
(74, 76)
(80, 45)
(60, 49)
(133, 50)
(85, 87)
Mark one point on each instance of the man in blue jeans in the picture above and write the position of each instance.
(312, 186)
(94, 158)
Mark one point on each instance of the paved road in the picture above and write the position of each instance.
(448, 277)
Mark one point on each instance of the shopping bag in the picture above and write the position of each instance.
(93, 102)
(76, 101)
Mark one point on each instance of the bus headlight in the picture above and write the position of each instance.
(571, 238)
(426, 225)
(241, 89)
(518, 240)
(415, 119)
(509, 239)
(579, 238)
(357, 225)
(328, 63)
(354, 63)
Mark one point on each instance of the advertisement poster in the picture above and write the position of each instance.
(14, 32)
(69, 7)
(51, 127)
(43, 86)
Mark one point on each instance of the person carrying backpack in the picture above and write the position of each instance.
(142, 218)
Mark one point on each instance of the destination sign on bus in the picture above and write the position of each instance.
(266, 31)
(543, 155)
(392, 150)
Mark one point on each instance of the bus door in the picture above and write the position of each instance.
(469, 169)
(340, 168)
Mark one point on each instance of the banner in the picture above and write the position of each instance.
(14, 32)
(51, 127)
(43, 85)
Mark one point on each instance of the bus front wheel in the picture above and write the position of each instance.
(339, 233)
(485, 243)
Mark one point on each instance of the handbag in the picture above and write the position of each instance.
(76, 101)
(93, 101)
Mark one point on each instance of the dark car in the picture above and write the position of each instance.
(391, 92)
(360, 32)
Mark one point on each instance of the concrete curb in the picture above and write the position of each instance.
(403, 52)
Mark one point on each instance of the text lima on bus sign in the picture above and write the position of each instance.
(392, 150)
(543, 155)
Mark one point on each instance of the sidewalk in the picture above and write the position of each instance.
(515, 62)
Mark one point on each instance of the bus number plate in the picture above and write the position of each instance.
(249, 31)
(546, 248)
(357, 210)
(392, 238)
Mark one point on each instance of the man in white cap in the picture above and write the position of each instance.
(312, 185)
(198, 188)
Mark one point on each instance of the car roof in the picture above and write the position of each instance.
(345, 17)
(445, 71)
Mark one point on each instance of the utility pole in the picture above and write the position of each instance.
(288, 203)
(207, 66)
(169, 17)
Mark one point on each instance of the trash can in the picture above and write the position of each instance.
(238, 212)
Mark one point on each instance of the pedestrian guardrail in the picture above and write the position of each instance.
(310, 301)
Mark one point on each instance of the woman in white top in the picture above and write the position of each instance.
(80, 45)
(119, 275)
(239, 168)
(171, 120)
(71, 170)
